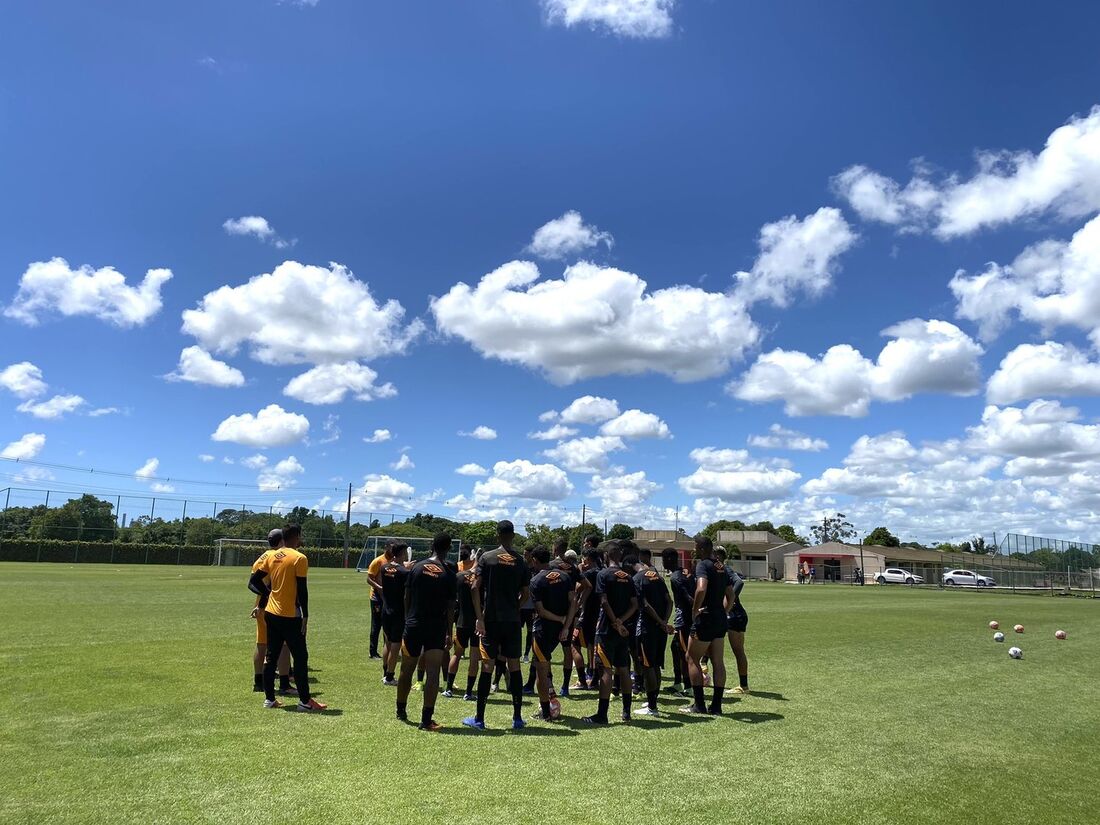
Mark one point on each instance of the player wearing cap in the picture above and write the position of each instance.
(280, 581)
(653, 629)
(618, 608)
(738, 621)
(429, 605)
(713, 592)
(503, 579)
(465, 621)
(393, 576)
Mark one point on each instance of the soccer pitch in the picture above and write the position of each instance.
(132, 702)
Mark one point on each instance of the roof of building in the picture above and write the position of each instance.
(912, 555)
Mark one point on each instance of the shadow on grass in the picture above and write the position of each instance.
(751, 718)
(325, 712)
(528, 731)
(778, 697)
(662, 723)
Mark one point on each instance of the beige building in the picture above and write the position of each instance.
(837, 562)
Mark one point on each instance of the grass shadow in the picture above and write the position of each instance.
(751, 718)
(777, 697)
(325, 712)
(661, 723)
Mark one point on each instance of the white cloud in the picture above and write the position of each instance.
(549, 415)
(472, 470)
(731, 475)
(148, 469)
(205, 458)
(623, 495)
(596, 321)
(25, 448)
(780, 438)
(796, 256)
(555, 433)
(567, 236)
(585, 455)
(52, 286)
(523, 479)
(1042, 429)
(285, 317)
(1043, 370)
(636, 424)
(99, 412)
(330, 383)
(331, 428)
(381, 492)
(590, 409)
(626, 18)
(924, 357)
(254, 462)
(55, 407)
(403, 463)
(280, 476)
(1051, 284)
(23, 380)
(161, 487)
(378, 437)
(481, 433)
(258, 228)
(1063, 178)
(199, 367)
(270, 427)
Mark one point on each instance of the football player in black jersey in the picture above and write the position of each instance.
(464, 637)
(713, 593)
(618, 611)
(738, 621)
(553, 597)
(653, 629)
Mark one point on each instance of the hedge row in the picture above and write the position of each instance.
(98, 552)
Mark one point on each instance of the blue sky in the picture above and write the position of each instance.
(846, 161)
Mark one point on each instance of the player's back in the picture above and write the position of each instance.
(283, 568)
(431, 587)
(651, 590)
(552, 589)
(717, 581)
(503, 574)
(617, 586)
(464, 585)
(393, 575)
(683, 594)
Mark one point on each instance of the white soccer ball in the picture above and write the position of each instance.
(998, 637)
(1015, 653)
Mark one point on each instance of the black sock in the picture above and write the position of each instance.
(515, 685)
(566, 675)
(483, 694)
(651, 699)
(743, 678)
(602, 712)
(545, 709)
(259, 679)
(388, 676)
(284, 681)
(470, 684)
(426, 716)
(530, 678)
(402, 710)
(419, 675)
(627, 702)
(700, 696)
(450, 681)
(716, 700)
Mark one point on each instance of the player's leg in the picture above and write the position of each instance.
(511, 645)
(276, 635)
(542, 669)
(528, 617)
(696, 649)
(283, 671)
(299, 655)
(456, 658)
(600, 716)
(678, 674)
(432, 660)
(409, 662)
(489, 648)
(375, 627)
(474, 669)
(718, 672)
(258, 666)
(420, 673)
(576, 650)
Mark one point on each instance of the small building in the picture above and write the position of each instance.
(833, 561)
(837, 562)
(756, 554)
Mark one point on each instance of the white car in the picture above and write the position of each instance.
(896, 575)
(967, 578)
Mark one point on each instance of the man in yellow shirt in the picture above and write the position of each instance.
(285, 568)
(373, 569)
(275, 540)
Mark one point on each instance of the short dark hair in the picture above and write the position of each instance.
(592, 540)
(292, 531)
(592, 554)
(630, 561)
(670, 558)
(441, 544)
(506, 528)
(614, 551)
(645, 554)
(275, 538)
(560, 545)
(704, 547)
(541, 555)
(464, 552)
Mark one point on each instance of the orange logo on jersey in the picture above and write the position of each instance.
(621, 574)
(280, 555)
(553, 577)
(652, 575)
(433, 570)
(506, 558)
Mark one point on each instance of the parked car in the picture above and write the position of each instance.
(967, 578)
(896, 575)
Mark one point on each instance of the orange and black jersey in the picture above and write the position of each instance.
(394, 576)
(652, 591)
(717, 581)
(683, 596)
(431, 587)
(502, 575)
(617, 586)
(283, 568)
(590, 610)
(464, 584)
(552, 588)
(568, 568)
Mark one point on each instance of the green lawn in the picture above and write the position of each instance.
(132, 702)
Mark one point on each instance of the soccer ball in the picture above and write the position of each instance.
(993, 625)
(1019, 628)
(1015, 653)
(1059, 634)
(998, 637)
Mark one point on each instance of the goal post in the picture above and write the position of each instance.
(419, 547)
(236, 552)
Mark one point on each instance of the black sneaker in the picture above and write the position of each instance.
(402, 717)
(626, 717)
(595, 720)
(694, 708)
(375, 656)
(257, 688)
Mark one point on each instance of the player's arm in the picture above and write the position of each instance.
(700, 595)
(375, 583)
(730, 598)
(631, 612)
(257, 585)
(475, 597)
(605, 605)
(569, 616)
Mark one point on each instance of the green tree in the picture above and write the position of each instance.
(787, 533)
(882, 537)
(86, 518)
(765, 526)
(833, 528)
(711, 530)
(620, 531)
(480, 533)
(578, 534)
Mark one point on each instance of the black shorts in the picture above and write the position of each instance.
(546, 641)
(585, 635)
(503, 639)
(527, 615)
(393, 625)
(651, 648)
(613, 650)
(419, 640)
(708, 628)
(463, 637)
(738, 620)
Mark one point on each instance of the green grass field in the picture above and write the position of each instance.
(132, 702)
